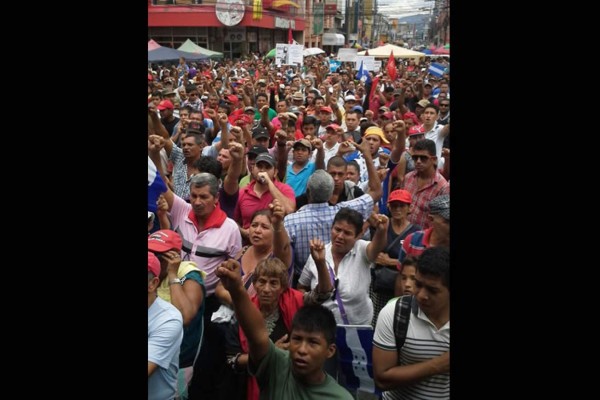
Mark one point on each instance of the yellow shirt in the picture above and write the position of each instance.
(184, 268)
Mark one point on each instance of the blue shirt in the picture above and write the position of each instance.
(314, 220)
(165, 332)
(299, 180)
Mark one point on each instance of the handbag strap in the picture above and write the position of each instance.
(398, 238)
(337, 294)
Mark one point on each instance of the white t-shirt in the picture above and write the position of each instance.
(434, 134)
(354, 275)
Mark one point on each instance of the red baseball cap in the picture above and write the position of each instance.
(153, 264)
(164, 240)
(233, 99)
(326, 109)
(416, 130)
(412, 116)
(165, 104)
(400, 195)
(335, 127)
(388, 115)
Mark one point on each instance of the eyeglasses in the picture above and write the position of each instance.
(423, 158)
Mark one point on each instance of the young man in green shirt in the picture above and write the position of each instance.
(296, 374)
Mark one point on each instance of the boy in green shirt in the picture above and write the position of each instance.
(296, 374)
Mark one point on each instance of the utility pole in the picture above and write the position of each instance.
(347, 22)
(374, 22)
(362, 25)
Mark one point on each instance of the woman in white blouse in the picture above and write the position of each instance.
(348, 260)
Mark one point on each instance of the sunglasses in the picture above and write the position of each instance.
(419, 157)
(444, 105)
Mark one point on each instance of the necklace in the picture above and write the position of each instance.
(271, 320)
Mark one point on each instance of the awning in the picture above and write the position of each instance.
(333, 39)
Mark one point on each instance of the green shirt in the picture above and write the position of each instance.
(272, 114)
(245, 181)
(276, 381)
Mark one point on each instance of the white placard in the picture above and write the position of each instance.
(281, 50)
(347, 54)
(368, 60)
(295, 54)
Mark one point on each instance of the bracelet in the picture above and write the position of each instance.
(175, 281)
(232, 362)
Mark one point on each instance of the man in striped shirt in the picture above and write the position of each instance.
(420, 369)
(425, 182)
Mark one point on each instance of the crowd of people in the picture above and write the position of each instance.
(284, 202)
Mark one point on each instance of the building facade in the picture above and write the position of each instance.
(233, 27)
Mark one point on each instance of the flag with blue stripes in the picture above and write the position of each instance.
(363, 74)
(156, 186)
(355, 347)
(436, 69)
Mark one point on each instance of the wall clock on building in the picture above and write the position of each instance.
(230, 12)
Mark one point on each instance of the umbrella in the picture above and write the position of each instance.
(271, 54)
(441, 50)
(312, 51)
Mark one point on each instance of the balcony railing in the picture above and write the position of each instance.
(187, 2)
(291, 11)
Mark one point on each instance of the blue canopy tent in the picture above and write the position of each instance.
(169, 54)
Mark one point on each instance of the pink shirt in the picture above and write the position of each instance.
(223, 236)
(249, 202)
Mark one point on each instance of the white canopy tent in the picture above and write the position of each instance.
(386, 50)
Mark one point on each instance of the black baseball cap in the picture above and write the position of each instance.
(260, 132)
(256, 150)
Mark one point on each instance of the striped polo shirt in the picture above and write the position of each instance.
(423, 342)
(217, 236)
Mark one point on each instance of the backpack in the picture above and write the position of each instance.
(401, 319)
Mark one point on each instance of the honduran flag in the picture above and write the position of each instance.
(355, 346)
(363, 74)
(156, 186)
(436, 69)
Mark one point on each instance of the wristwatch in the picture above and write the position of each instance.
(173, 281)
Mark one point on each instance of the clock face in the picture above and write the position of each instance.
(230, 12)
